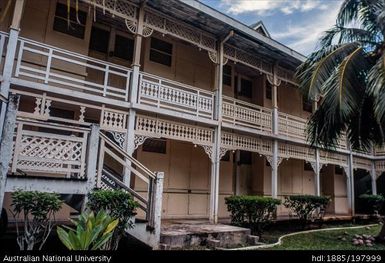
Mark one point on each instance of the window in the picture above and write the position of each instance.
(74, 28)
(338, 170)
(154, 146)
(269, 90)
(307, 166)
(246, 88)
(245, 157)
(99, 40)
(227, 75)
(161, 52)
(124, 47)
(307, 105)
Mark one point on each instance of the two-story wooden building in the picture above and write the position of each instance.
(106, 92)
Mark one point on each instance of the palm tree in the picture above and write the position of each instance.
(347, 73)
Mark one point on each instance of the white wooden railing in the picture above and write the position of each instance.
(3, 39)
(379, 150)
(240, 113)
(167, 94)
(292, 126)
(49, 149)
(108, 179)
(61, 68)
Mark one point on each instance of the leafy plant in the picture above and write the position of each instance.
(119, 205)
(90, 233)
(37, 210)
(348, 73)
(254, 212)
(307, 207)
(373, 203)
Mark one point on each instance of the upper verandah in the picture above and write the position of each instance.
(194, 22)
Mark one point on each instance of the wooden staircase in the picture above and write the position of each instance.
(45, 159)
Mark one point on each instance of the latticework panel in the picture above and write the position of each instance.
(361, 163)
(180, 30)
(113, 120)
(287, 150)
(155, 127)
(39, 152)
(120, 8)
(238, 55)
(333, 158)
(233, 141)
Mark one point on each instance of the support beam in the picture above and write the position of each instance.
(237, 173)
(317, 172)
(274, 170)
(317, 168)
(350, 182)
(275, 82)
(92, 156)
(6, 144)
(10, 58)
(215, 160)
(373, 175)
(157, 207)
(134, 86)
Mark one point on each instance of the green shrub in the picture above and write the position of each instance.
(119, 205)
(307, 207)
(90, 233)
(254, 212)
(372, 203)
(38, 215)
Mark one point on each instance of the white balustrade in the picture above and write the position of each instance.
(64, 69)
(50, 149)
(240, 113)
(292, 126)
(167, 94)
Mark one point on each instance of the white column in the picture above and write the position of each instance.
(317, 174)
(237, 173)
(274, 163)
(6, 144)
(350, 183)
(215, 159)
(157, 197)
(373, 175)
(317, 168)
(134, 86)
(10, 57)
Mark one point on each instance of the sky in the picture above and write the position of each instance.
(295, 23)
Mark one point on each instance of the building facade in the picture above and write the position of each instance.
(125, 88)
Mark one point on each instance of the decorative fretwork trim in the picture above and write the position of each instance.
(119, 138)
(178, 29)
(160, 128)
(139, 140)
(270, 79)
(214, 58)
(269, 158)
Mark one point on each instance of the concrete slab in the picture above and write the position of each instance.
(194, 233)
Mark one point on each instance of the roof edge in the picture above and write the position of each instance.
(243, 28)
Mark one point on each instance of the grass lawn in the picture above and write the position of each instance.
(329, 240)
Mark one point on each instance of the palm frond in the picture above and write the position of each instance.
(341, 35)
(320, 65)
(344, 92)
(376, 87)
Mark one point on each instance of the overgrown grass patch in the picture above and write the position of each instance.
(330, 240)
